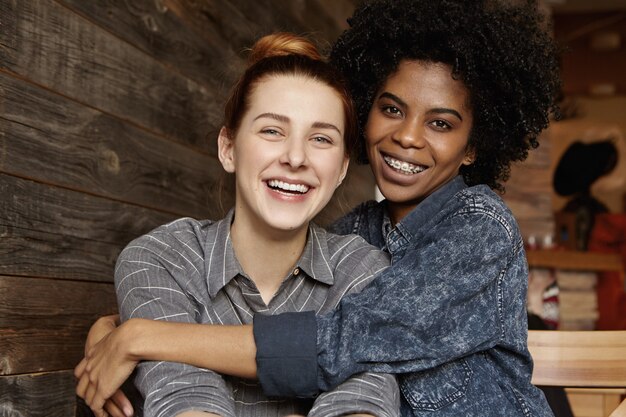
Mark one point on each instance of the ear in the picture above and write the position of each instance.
(470, 157)
(344, 170)
(226, 150)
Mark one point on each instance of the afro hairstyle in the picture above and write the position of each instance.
(502, 52)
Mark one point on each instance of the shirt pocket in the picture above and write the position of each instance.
(435, 388)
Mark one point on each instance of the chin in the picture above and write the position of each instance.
(286, 224)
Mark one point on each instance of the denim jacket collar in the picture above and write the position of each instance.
(410, 226)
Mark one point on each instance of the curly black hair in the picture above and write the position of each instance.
(503, 53)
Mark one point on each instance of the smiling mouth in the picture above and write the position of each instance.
(403, 166)
(287, 187)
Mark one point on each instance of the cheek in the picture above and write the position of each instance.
(331, 168)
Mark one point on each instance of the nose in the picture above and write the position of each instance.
(409, 134)
(295, 153)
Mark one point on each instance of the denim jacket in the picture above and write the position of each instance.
(448, 317)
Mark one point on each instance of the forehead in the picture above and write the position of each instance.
(300, 98)
(417, 79)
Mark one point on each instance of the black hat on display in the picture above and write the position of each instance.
(582, 164)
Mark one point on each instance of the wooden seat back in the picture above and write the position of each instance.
(590, 359)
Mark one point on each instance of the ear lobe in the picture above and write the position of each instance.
(470, 157)
(225, 151)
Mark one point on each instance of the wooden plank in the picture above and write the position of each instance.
(54, 47)
(205, 39)
(31, 253)
(264, 16)
(575, 260)
(44, 323)
(239, 23)
(578, 358)
(47, 137)
(38, 395)
(52, 232)
(154, 28)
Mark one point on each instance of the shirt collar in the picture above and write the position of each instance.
(220, 260)
(222, 264)
(316, 258)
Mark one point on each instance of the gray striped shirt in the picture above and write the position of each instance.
(187, 271)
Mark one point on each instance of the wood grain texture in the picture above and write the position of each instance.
(54, 47)
(105, 111)
(155, 28)
(529, 192)
(49, 138)
(43, 323)
(33, 253)
(38, 395)
(52, 232)
(294, 16)
(578, 358)
(240, 22)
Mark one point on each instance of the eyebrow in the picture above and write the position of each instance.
(285, 119)
(437, 110)
(278, 117)
(323, 125)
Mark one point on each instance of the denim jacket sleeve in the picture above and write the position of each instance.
(441, 300)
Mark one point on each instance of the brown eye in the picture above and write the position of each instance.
(322, 139)
(441, 124)
(392, 111)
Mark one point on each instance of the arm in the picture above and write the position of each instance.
(224, 349)
(232, 352)
(158, 277)
(367, 393)
(111, 359)
(399, 327)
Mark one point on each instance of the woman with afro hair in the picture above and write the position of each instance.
(449, 93)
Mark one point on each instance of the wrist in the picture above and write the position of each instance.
(133, 339)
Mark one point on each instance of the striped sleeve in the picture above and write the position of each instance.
(366, 393)
(154, 278)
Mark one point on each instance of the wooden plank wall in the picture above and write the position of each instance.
(529, 192)
(108, 114)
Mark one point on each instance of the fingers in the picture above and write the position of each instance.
(87, 391)
(80, 368)
(90, 394)
(100, 413)
(123, 403)
(113, 410)
(81, 387)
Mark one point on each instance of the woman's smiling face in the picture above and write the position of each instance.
(288, 154)
(417, 133)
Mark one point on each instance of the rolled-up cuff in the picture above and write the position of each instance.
(287, 354)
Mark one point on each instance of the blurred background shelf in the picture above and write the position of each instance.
(575, 260)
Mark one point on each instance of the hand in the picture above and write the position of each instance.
(107, 364)
(119, 401)
(102, 327)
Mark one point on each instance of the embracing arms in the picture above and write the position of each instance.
(110, 361)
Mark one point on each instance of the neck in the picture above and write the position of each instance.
(266, 255)
(397, 211)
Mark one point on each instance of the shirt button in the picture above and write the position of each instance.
(296, 271)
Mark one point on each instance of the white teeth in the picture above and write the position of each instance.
(404, 167)
(300, 188)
